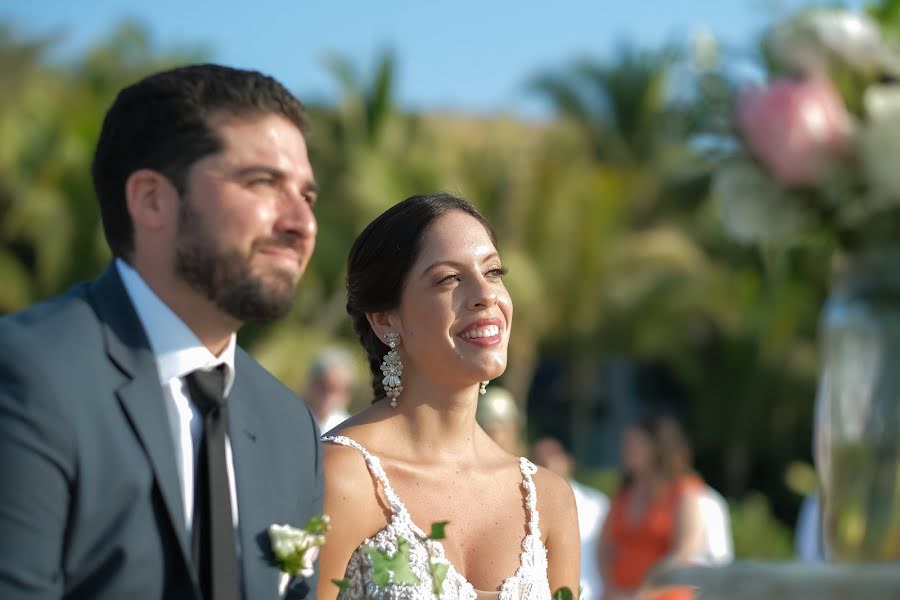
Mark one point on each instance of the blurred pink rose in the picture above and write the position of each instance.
(794, 127)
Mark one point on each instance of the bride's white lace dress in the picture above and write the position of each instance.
(528, 583)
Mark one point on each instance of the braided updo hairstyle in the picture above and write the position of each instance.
(380, 260)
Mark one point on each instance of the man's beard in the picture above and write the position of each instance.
(224, 276)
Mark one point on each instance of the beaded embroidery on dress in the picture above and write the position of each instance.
(528, 583)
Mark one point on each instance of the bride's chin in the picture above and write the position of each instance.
(494, 371)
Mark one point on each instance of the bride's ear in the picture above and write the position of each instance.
(382, 323)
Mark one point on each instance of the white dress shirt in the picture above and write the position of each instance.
(178, 352)
(333, 420)
(592, 506)
(718, 546)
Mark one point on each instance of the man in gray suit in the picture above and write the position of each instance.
(206, 195)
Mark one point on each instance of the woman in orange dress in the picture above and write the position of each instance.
(654, 520)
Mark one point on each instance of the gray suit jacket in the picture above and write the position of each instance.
(90, 502)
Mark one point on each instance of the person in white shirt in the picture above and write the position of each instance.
(718, 547)
(809, 545)
(331, 379)
(592, 506)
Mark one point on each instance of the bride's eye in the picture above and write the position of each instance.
(497, 273)
(449, 278)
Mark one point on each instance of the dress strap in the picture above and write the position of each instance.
(374, 467)
(528, 469)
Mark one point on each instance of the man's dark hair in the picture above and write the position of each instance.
(163, 123)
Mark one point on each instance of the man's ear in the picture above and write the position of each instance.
(151, 198)
(382, 323)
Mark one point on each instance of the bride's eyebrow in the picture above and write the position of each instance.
(452, 263)
(440, 263)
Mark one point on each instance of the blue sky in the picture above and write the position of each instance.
(464, 55)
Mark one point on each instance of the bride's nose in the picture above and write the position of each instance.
(483, 294)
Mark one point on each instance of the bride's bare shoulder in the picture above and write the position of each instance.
(555, 498)
(344, 460)
(351, 491)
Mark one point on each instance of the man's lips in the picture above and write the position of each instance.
(282, 254)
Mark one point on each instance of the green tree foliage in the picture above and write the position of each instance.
(50, 234)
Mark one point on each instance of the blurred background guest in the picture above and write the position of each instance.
(809, 546)
(498, 415)
(328, 390)
(654, 521)
(717, 547)
(592, 506)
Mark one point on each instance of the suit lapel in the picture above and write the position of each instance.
(141, 397)
(254, 489)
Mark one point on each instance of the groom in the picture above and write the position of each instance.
(135, 436)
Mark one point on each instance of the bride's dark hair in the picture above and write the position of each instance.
(381, 258)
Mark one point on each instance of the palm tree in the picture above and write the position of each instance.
(50, 233)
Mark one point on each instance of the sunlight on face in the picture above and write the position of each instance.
(246, 229)
(455, 312)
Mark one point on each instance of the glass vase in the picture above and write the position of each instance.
(858, 411)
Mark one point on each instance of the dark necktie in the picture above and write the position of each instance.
(215, 556)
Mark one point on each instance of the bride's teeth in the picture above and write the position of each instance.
(489, 331)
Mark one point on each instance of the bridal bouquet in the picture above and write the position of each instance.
(818, 144)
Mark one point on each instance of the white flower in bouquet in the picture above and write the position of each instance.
(817, 37)
(852, 36)
(753, 207)
(879, 141)
(879, 148)
(881, 102)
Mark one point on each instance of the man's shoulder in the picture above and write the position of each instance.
(52, 318)
(252, 372)
(271, 400)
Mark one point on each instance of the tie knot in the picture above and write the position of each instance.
(207, 388)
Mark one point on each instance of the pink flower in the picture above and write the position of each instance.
(796, 128)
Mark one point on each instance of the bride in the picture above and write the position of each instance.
(425, 278)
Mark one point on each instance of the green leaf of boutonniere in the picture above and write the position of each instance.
(318, 525)
(343, 584)
(562, 593)
(437, 530)
(384, 565)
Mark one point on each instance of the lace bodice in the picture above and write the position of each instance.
(528, 583)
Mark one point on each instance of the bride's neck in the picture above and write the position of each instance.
(439, 422)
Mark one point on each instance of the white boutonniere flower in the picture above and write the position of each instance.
(297, 549)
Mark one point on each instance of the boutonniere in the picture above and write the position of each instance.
(296, 550)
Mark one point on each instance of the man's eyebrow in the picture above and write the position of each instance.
(310, 188)
(255, 169)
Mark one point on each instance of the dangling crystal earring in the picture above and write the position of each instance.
(483, 389)
(392, 369)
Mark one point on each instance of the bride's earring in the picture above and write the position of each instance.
(392, 369)
(483, 389)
